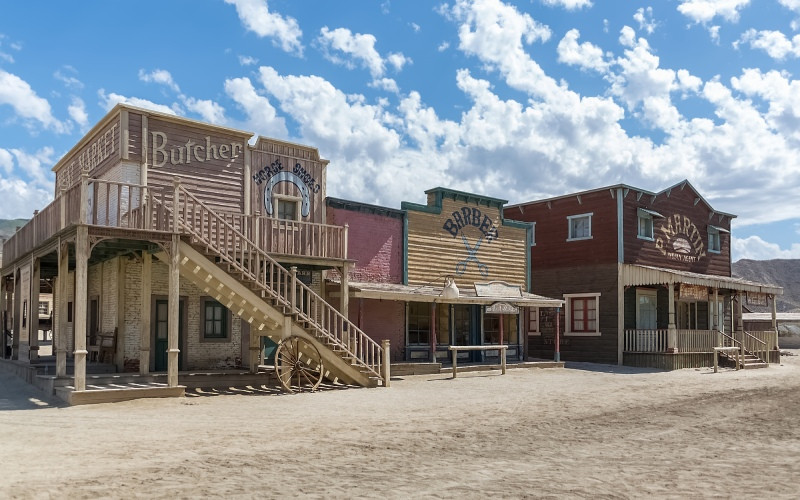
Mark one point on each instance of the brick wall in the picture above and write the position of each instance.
(375, 242)
(382, 319)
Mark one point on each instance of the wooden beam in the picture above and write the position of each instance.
(173, 313)
(144, 319)
(60, 328)
(80, 306)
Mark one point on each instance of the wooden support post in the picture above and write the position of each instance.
(81, 296)
(293, 290)
(33, 323)
(455, 362)
(715, 325)
(503, 352)
(176, 192)
(253, 349)
(345, 243)
(433, 332)
(3, 316)
(557, 354)
(775, 322)
(345, 291)
(387, 370)
(173, 312)
(672, 332)
(60, 329)
(17, 314)
(144, 319)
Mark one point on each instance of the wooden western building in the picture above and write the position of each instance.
(175, 246)
(645, 277)
(451, 272)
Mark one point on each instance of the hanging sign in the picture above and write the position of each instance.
(693, 292)
(756, 299)
(502, 308)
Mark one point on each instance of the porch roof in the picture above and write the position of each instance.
(635, 275)
(427, 293)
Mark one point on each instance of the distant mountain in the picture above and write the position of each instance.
(9, 226)
(781, 272)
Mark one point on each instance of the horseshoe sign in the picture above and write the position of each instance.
(287, 177)
(472, 254)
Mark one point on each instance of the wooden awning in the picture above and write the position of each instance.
(637, 275)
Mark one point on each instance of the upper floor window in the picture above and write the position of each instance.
(645, 218)
(44, 308)
(286, 209)
(714, 238)
(582, 314)
(580, 227)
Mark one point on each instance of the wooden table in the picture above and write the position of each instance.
(455, 348)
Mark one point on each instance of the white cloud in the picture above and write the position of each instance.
(755, 248)
(108, 101)
(358, 48)
(781, 95)
(6, 57)
(15, 92)
(256, 17)
(568, 4)
(36, 166)
(713, 32)
(160, 76)
(415, 27)
(262, 117)
(703, 11)
(66, 76)
(774, 43)
(586, 55)
(210, 111)
(443, 46)
(386, 84)
(793, 5)
(20, 198)
(77, 111)
(247, 60)
(6, 160)
(644, 16)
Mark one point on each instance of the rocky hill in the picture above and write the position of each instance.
(9, 226)
(781, 272)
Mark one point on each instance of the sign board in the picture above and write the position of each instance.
(693, 292)
(304, 276)
(497, 289)
(756, 299)
(502, 308)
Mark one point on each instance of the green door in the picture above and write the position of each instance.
(269, 347)
(161, 330)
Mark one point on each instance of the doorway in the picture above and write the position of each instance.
(646, 309)
(161, 334)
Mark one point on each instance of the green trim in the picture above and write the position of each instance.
(405, 252)
(514, 223)
(455, 195)
(407, 205)
(528, 280)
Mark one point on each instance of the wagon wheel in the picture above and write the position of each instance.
(298, 365)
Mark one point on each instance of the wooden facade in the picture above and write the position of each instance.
(639, 271)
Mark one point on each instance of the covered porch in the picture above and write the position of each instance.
(675, 319)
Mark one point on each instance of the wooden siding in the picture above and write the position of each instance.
(682, 208)
(555, 282)
(270, 157)
(96, 153)
(436, 246)
(552, 248)
(217, 181)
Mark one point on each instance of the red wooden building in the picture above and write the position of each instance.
(646, 278)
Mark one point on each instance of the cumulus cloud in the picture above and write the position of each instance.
(774, 43)
(704, 11)
(283, 31)
(77, 111)
(644, 16)
(108, 101)
(66, 75)
(568, 4)
(585, 55)
(247, 60)
(208, 110)
(262, 117)
(341, 46)
(15, 92)
(159, 76)
(6, 160)
(20, 198)
(753, 247)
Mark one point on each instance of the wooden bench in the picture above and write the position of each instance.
(717, 350)
(455, 348)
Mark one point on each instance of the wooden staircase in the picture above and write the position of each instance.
(226, 265)
(754, 355)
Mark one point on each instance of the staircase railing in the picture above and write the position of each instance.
(725, 340)
(240, 253)
(756, 346)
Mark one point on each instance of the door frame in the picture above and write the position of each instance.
(650, 292)
(182, 330)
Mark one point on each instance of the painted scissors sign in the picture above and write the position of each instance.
(461, 267)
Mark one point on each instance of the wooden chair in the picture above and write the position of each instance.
(93, 346)
(108, 347)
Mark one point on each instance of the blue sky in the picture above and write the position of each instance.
(514, 99)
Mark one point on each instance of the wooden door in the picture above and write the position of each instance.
(161, 335)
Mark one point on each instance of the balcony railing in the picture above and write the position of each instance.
(98, 202)
(698, 340)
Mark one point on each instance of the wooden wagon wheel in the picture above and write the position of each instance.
(298, 365)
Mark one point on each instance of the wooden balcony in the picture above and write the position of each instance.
(697, 341)
(140, 212)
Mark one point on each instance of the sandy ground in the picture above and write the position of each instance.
(587, 431)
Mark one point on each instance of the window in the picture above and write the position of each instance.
(580, 227)
(582, 314)
(714, 238)
(645, 218)
(215, 320)
(533, 321)
(532, 235)
(286, 209)
(491, 328)
(44, 308)
(419, 323)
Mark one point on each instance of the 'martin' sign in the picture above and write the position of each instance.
(680, 239)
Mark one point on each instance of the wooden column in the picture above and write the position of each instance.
(672, 333)
(119, 355)
(739, 325)
(254, 348)
(144, 319)
(387, 371)
(775, 321)
(33, 323)
(3, 316)
(81, 295)
(60, 299)
(345, 291)
(17, 315)
(715, 314)
(173, 313)
(433, 332)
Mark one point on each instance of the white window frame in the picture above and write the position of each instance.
(533, 319)
(276, 199)
(570, 218)
(568, 314)
(645, 217)
(532, 240)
